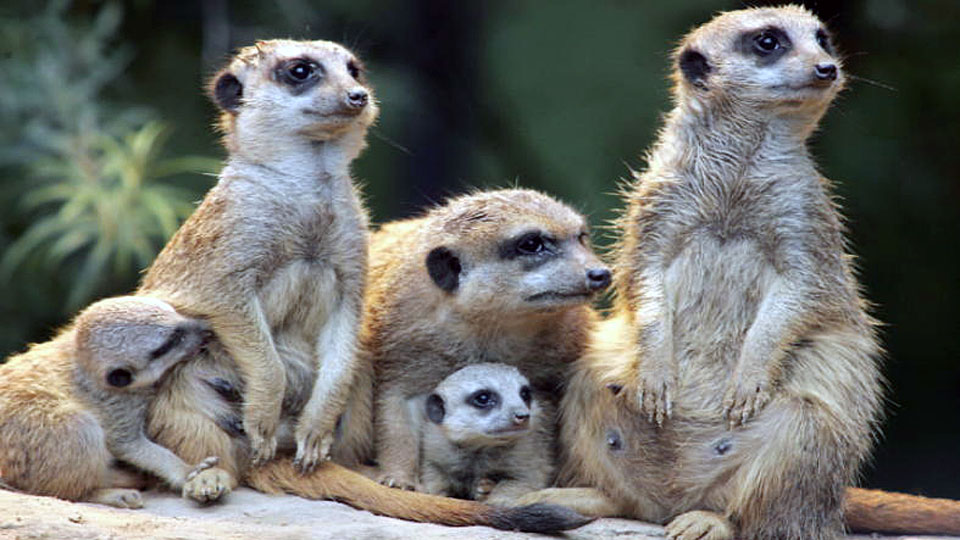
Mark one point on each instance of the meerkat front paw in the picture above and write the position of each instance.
(399, 480)
(655, 392)
(312, 448)
(483, 489)
(207, 485)
(745, 397)
(261, 426)
(699, 525)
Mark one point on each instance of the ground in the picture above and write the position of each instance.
(251, 515)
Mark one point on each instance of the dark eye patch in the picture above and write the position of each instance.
(528, 244)
(823, 39)
(766, 44)
(355, 69)
(119, 378)
(174, 340)
(484, 399)
(525, 395)
(299, 74)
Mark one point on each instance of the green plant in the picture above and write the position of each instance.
(92, 203)
(101, 201)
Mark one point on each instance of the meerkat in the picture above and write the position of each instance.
(482, 436)
(275, 255)
(70, 407)
(275, 259)
(503, 276)
(745, 362)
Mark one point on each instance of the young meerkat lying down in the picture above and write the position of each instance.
(71, 407)
(483, 436)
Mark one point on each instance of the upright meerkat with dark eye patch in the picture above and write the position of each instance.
(501, 276)
(748, 364)
(275, 256)
(71, 406)
(483, 436)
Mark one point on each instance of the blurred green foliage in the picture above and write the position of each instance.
(562, 96)
(90, 192)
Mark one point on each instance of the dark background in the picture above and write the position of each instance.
(561, 96)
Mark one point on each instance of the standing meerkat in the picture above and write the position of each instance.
(275, 259)
(748, 365)
(483, 436)
(71, 406)
(275, 255)
(501, 276)
(736, 389)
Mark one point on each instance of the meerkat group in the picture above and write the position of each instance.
(733, 392)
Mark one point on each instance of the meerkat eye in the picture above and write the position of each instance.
(353, 69)
(119, 378)
(584, 238)
(765, 43)
(483, 399)
(824, 41)
(525, 394)
(298, 71)
(530, 244)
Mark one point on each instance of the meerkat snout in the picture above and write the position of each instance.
(826, 71)
(598, 279)
(357, 99)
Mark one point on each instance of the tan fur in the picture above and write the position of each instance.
(274, 257)
(63, 422)
(332, 481)
(494, 453)
(415, 333)
(742, 359)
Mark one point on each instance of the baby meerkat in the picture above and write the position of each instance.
(503, 275)
(275, 255)
(70, 407)
(748, 364)
(482, 436)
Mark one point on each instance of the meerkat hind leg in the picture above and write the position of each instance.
(699, 525)
(116, 497)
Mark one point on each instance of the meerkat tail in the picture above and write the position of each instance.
(334, 482)
(870, 510)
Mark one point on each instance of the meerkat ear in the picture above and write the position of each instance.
(435, 410)
(444, 268)
(227, 91)
(694, 67)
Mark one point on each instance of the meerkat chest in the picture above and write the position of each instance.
(320, 251)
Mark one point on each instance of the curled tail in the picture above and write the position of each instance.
(336, 483)
(870, 510)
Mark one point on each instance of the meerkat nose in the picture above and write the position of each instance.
(521, 418)
(357, 99)
(598, 279)
(826, 72)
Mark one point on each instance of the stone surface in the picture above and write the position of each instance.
(247, 514)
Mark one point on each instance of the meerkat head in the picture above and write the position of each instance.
(780, 58)
(483, 405)
(128, 343)
(511, 251)
(315, 90)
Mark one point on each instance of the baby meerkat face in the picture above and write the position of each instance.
(128, 343)
(767, 56)
(483, 405)
(316, 89)
(515, 251)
